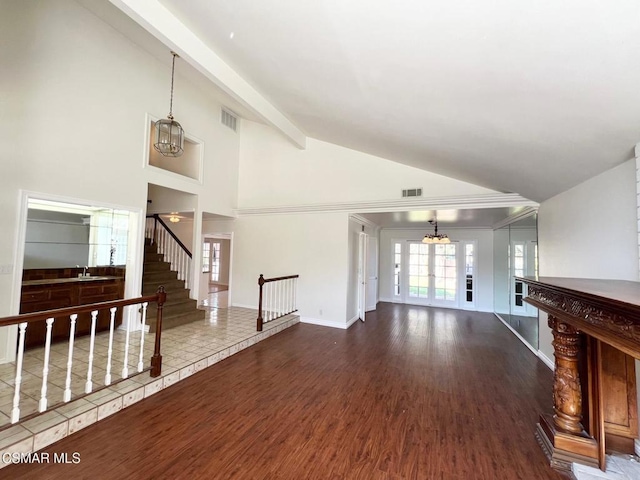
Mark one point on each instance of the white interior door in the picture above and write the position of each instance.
(372, 274)
(362, 275)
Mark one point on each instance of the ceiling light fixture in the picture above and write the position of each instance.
(174, 219)
(435, 237)
(169, 133)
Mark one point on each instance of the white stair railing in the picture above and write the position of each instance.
(72, 313)
(277, 298)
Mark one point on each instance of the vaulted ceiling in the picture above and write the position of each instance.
(524, 97)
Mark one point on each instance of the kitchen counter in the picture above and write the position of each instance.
(57, 281)
(53, 293)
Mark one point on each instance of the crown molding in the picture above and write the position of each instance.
(527, 212)
(403, 205)
(364, 221)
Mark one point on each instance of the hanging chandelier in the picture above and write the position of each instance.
(169, 134)
(435, 237)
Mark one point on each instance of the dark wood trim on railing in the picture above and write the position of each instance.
(267, 280)
(160, 298)
(261, 281)
(159, 220)
(156, 359)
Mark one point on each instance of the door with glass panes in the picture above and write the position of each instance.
(431, 274)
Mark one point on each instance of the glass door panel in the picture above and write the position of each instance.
(432, 274)
(418, 270)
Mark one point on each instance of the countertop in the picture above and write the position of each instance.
(57, 281)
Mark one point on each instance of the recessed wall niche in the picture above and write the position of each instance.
(189, 164)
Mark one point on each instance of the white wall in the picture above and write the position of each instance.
(315, 246)
(225, 258)
(590, 231)
(273, 172)
(484, 282)
(75, 97)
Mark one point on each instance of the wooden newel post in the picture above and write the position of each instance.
(259, 321)
(156, 359)
(567, 393)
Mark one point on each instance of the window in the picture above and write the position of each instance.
(206, 257)
(397, 268)
(518, 271)
(215, 262)
(419, 270)
(108, 237)
(469, 271)
(446, 275)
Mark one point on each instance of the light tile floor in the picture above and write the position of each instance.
(185, 350)
(618, 467)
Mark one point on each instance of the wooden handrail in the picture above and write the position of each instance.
(159, 298)
(267, 280)
(157, 219)
(288, 303)
(65, 312)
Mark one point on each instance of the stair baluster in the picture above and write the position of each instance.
(72, 333)
(42, 406)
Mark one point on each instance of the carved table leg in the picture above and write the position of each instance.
(567, 394)
(563, 437)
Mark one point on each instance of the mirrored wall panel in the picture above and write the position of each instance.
(515, 254)
(63, 235)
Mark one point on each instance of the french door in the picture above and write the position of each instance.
(431, 274)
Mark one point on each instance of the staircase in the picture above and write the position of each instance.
(179, 308)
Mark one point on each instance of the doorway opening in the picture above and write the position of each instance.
(216, 270)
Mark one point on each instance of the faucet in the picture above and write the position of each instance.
(84, 271)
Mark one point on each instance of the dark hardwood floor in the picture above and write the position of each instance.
(413, 393)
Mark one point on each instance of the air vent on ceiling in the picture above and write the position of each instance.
(412, 192)
(228, 119)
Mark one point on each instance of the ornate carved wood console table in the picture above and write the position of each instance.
(596, 336)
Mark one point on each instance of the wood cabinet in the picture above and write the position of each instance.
(40, 295)
(596, 336)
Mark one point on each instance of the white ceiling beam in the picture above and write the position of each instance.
(163, 25)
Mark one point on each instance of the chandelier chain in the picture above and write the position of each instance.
(173, 69)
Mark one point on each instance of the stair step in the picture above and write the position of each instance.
(173, 287)
(153, 257)
(171, 321)
(161, 276)
(179, 309)
(180, 306)
(155, 267)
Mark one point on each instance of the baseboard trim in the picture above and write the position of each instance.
(352, 321)
(325, 323)
(533, 350)
(551, 364)
(252, 307)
